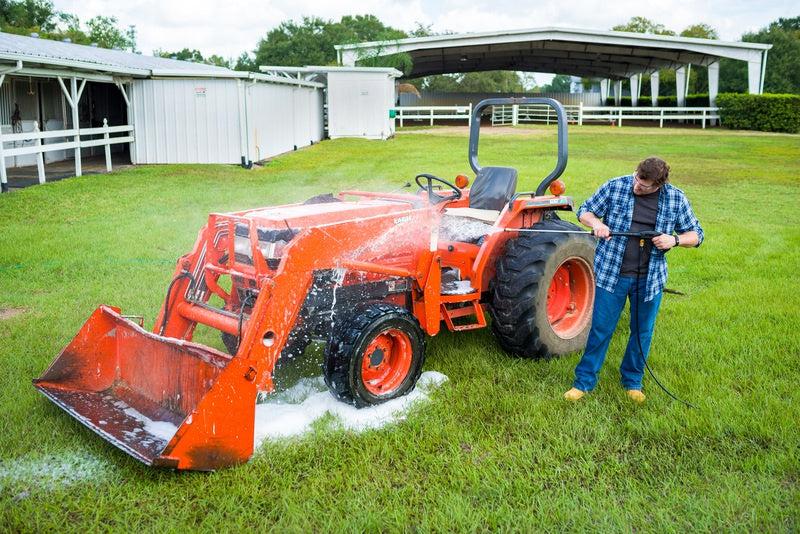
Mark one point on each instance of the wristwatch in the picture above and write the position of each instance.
(677, 240)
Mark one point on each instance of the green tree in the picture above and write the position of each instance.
(700, 31)
(104, 31)
(28, 15)
(783, 60)
(185, 54)
(311, 42)
(560, 84)
(246, 62)
(194, 55)
(642, 25)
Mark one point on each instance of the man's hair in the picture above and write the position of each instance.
(655, 169)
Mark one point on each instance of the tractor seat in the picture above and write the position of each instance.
(493, 188)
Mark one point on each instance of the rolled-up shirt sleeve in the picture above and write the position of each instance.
(597, 203)
(687, 221)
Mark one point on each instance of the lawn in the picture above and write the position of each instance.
(496, 447)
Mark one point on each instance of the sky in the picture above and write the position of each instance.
(231, 27)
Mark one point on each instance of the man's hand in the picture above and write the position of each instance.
(664, 242)
(601, 230)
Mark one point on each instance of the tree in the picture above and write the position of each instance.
(560, 84)
(783, 61)
(311, 42)
(700, 31)
(643, 25)
(28, 15)
(194, 56)
(103, 31)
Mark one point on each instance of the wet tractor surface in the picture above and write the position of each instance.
(493, 446)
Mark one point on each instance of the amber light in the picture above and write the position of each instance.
(557, 188)
(462, 181)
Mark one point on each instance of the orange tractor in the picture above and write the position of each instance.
(369, 274)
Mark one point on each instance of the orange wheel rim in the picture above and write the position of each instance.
(386, 361)
(570, 297)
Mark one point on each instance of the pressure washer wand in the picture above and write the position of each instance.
(649, 234)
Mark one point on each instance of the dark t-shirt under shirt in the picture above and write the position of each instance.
(645, 208)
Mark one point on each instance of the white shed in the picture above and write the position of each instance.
(238, 118)
(358, 98)
(62, 101)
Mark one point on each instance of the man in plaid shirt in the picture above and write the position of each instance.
(639, 202)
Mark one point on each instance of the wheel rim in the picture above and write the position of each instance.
(386, 361)
(569, 297)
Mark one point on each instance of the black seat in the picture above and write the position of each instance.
(493, 188)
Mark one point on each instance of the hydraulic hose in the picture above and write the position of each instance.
(182, 275)
(642, 237)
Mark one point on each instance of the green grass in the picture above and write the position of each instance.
(497, 447)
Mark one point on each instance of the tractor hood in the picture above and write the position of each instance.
(299, 216)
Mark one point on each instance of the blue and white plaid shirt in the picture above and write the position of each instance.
(613, 203)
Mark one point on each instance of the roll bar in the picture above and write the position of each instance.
(475, 127)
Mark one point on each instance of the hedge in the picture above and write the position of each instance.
(695, 100)
(766, 113)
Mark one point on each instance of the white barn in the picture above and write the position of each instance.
(62, 101)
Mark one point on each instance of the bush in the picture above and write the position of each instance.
(766, 113)
(698, 100)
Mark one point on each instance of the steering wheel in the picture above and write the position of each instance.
(433, 197)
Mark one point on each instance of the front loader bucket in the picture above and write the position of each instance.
(164, 401)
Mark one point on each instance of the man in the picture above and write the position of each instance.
(639, 202)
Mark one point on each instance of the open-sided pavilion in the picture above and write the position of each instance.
(609, 55)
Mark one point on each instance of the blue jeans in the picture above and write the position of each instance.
(607, 308)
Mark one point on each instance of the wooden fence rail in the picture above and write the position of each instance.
(79, 141)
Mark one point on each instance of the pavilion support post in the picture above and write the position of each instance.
(654, 88)
(603, 91)
(754, 77)
(618, 93)
(713, 86)
(680, 86)
(635, 90)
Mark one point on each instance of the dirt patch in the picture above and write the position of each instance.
(8, 313)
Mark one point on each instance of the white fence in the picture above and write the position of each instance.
(39, 148)
(540, 113)
(514, 114)
(432, 113)
(617, 114)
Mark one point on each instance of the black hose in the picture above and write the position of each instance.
(182, 275)
(638, 334)
(247, 300)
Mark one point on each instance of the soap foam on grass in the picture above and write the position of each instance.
(292, 412)
(50, 471)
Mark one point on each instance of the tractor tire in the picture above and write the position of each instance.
(375, 356)
(543, 292)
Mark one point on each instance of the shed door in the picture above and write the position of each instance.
(370, 108)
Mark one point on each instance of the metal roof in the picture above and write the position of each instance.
(37, 51)
(589, 53)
